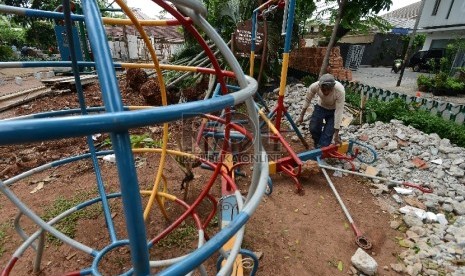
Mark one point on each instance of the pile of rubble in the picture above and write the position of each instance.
(434, 239)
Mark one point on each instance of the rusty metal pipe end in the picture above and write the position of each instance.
(363, 242)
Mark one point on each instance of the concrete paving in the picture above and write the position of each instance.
(382, 77)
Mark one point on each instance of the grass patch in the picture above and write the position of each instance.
(2, 238)
(138, 141)
(68, 225)
(181, 237)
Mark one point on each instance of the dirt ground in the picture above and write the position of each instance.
(295, 235)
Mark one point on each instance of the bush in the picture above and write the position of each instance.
(424, 83)
(10, 35)
(309, 79)
(455, 85)
(41, 34)
(6, 53)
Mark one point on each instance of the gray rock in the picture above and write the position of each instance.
(395, 224)
(412, 220)
(459, 207)
(414, 270)
(394, 158)
(392, 145)
(456, 171)
(447, 207)
(397, 267)
(442, 219)
(364, 262)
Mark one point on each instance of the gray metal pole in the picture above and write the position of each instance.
(410, 43)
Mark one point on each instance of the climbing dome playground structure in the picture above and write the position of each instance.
(116, 120)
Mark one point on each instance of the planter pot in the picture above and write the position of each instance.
(422, 88)
(444, 92)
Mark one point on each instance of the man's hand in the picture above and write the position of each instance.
(337, 139)
(300, 120)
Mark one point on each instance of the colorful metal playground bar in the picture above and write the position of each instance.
(117, 120)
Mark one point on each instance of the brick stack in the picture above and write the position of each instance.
(310, 59)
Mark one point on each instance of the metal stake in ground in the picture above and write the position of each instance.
(360, 240)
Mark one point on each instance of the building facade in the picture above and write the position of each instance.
(442, 21)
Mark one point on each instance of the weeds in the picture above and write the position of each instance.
(181, 237)
(2, 238)
(138, 141)
(68, 224)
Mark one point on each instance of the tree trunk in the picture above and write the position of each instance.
(410, 43)
(333, 37)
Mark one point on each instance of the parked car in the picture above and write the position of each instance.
(421, 60)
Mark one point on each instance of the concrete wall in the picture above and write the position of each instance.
(138, 50)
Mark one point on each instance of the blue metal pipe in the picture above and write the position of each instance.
(37, 13)
(132, 203)
(290, 23)
(55, 128)
(90, 141)
(254, 30)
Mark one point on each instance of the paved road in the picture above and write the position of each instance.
(381, 77)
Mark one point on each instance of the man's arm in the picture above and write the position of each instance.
(308, 100)
(340, 102)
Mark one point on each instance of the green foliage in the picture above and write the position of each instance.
(10, 34)
(68, 224)
(49, 5)
(143, 141)
(6, 53)
(454, 84)
(181, 237)
(225, 15)
(418, 41)
(3, 237)
(424, 80)
(309, 79)
(303, 11)
(425, 83)
(188, 50)
(41, 34)
(410, 114)
(441, 81)
(138, 141)
(358, 15)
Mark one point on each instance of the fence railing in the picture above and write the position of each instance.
(448, 111)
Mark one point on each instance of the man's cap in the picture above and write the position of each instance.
(327, 80)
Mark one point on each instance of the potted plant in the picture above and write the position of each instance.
(439, 84)
(454, 86)
(424, 83)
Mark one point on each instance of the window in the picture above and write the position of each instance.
(436, 7)
(450, 8)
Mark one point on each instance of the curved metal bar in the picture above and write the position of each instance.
(242, 252)
(56, 128)
(196, 6)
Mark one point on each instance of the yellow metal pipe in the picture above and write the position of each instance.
(252, 63)
(282, 85)
(164, 101)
